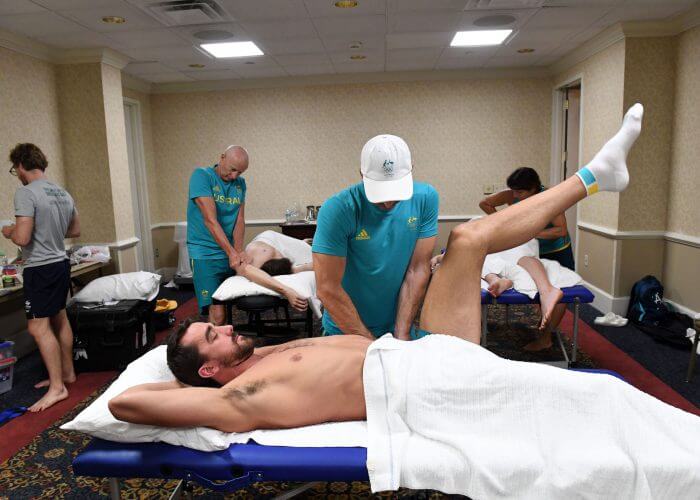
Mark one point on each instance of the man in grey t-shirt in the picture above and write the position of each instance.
(45, 215)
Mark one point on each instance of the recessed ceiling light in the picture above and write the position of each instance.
(525, 51)
(232, 49)
(113, 20)
(196, 65)
(357, 57)
(213, 35)
(346, 4)
(355, 45)
(479, 38)
(493, 21)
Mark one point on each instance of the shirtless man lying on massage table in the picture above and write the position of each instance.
(271, 254)
(318, 380)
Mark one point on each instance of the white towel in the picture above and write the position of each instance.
(505, 265)
(446, 414)
(298, 251)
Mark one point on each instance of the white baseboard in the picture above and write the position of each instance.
(166, 273)
(685, 310)
(606, 303)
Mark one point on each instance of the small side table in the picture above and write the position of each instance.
(299, 230)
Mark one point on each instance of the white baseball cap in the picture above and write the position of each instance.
(386, 167)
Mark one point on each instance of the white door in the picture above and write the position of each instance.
(570, 163)
(137, 177)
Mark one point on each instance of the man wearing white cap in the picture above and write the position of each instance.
(373, 244)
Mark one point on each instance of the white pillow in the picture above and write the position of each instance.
(140, 285)
(96, 420)
(303, 283)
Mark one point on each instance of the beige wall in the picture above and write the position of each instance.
(638, 258)
(684, 185)
(601, 113)
(681, 274)
(29, 107)
(84, 139)
(601, 260)
(649, 79)
(305, 142)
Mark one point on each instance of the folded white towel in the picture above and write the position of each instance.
(298, 251)
(446, 414)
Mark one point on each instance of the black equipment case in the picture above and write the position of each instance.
(109, 337)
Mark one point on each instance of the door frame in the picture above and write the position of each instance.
(555, 169)
(140, 197)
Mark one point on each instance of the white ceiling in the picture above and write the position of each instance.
(309, 37)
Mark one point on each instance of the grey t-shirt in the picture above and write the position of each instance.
(52, 208)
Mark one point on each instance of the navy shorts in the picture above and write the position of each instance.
(46, 289)
(565, 257)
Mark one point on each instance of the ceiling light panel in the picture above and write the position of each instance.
(232, 49)
(479, 38)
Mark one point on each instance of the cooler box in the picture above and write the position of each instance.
(7, 366)
(109, 337)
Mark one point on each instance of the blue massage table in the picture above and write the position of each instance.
(228, 470)
(224, 471)
(575, 295)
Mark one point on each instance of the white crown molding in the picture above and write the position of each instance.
(684, 239)
(689, 19)
(81, 56)
(351, 78)
(25, 46)
(598, 43)
(134, 83)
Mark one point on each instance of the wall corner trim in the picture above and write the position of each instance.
(684, 239)
(124, 244)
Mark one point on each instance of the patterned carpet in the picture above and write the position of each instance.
(42, 469)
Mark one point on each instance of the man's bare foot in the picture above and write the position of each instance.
(49, 399)
(499, 286)
(542, 342)
(548, 300)
(45, 383)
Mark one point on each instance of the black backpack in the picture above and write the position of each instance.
(647, 302)
(649, 314)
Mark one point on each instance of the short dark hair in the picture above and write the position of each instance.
(275, 267)
(184, 360)
(525, 178)
(29, 155)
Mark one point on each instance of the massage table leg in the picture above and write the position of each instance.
(114, 493)
(574, 347)
(693, 356)
(484, 324)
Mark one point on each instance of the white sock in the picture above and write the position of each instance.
(608, 169)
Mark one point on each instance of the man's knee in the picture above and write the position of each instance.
(468, 237)
(217, 314)
(39, 328)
